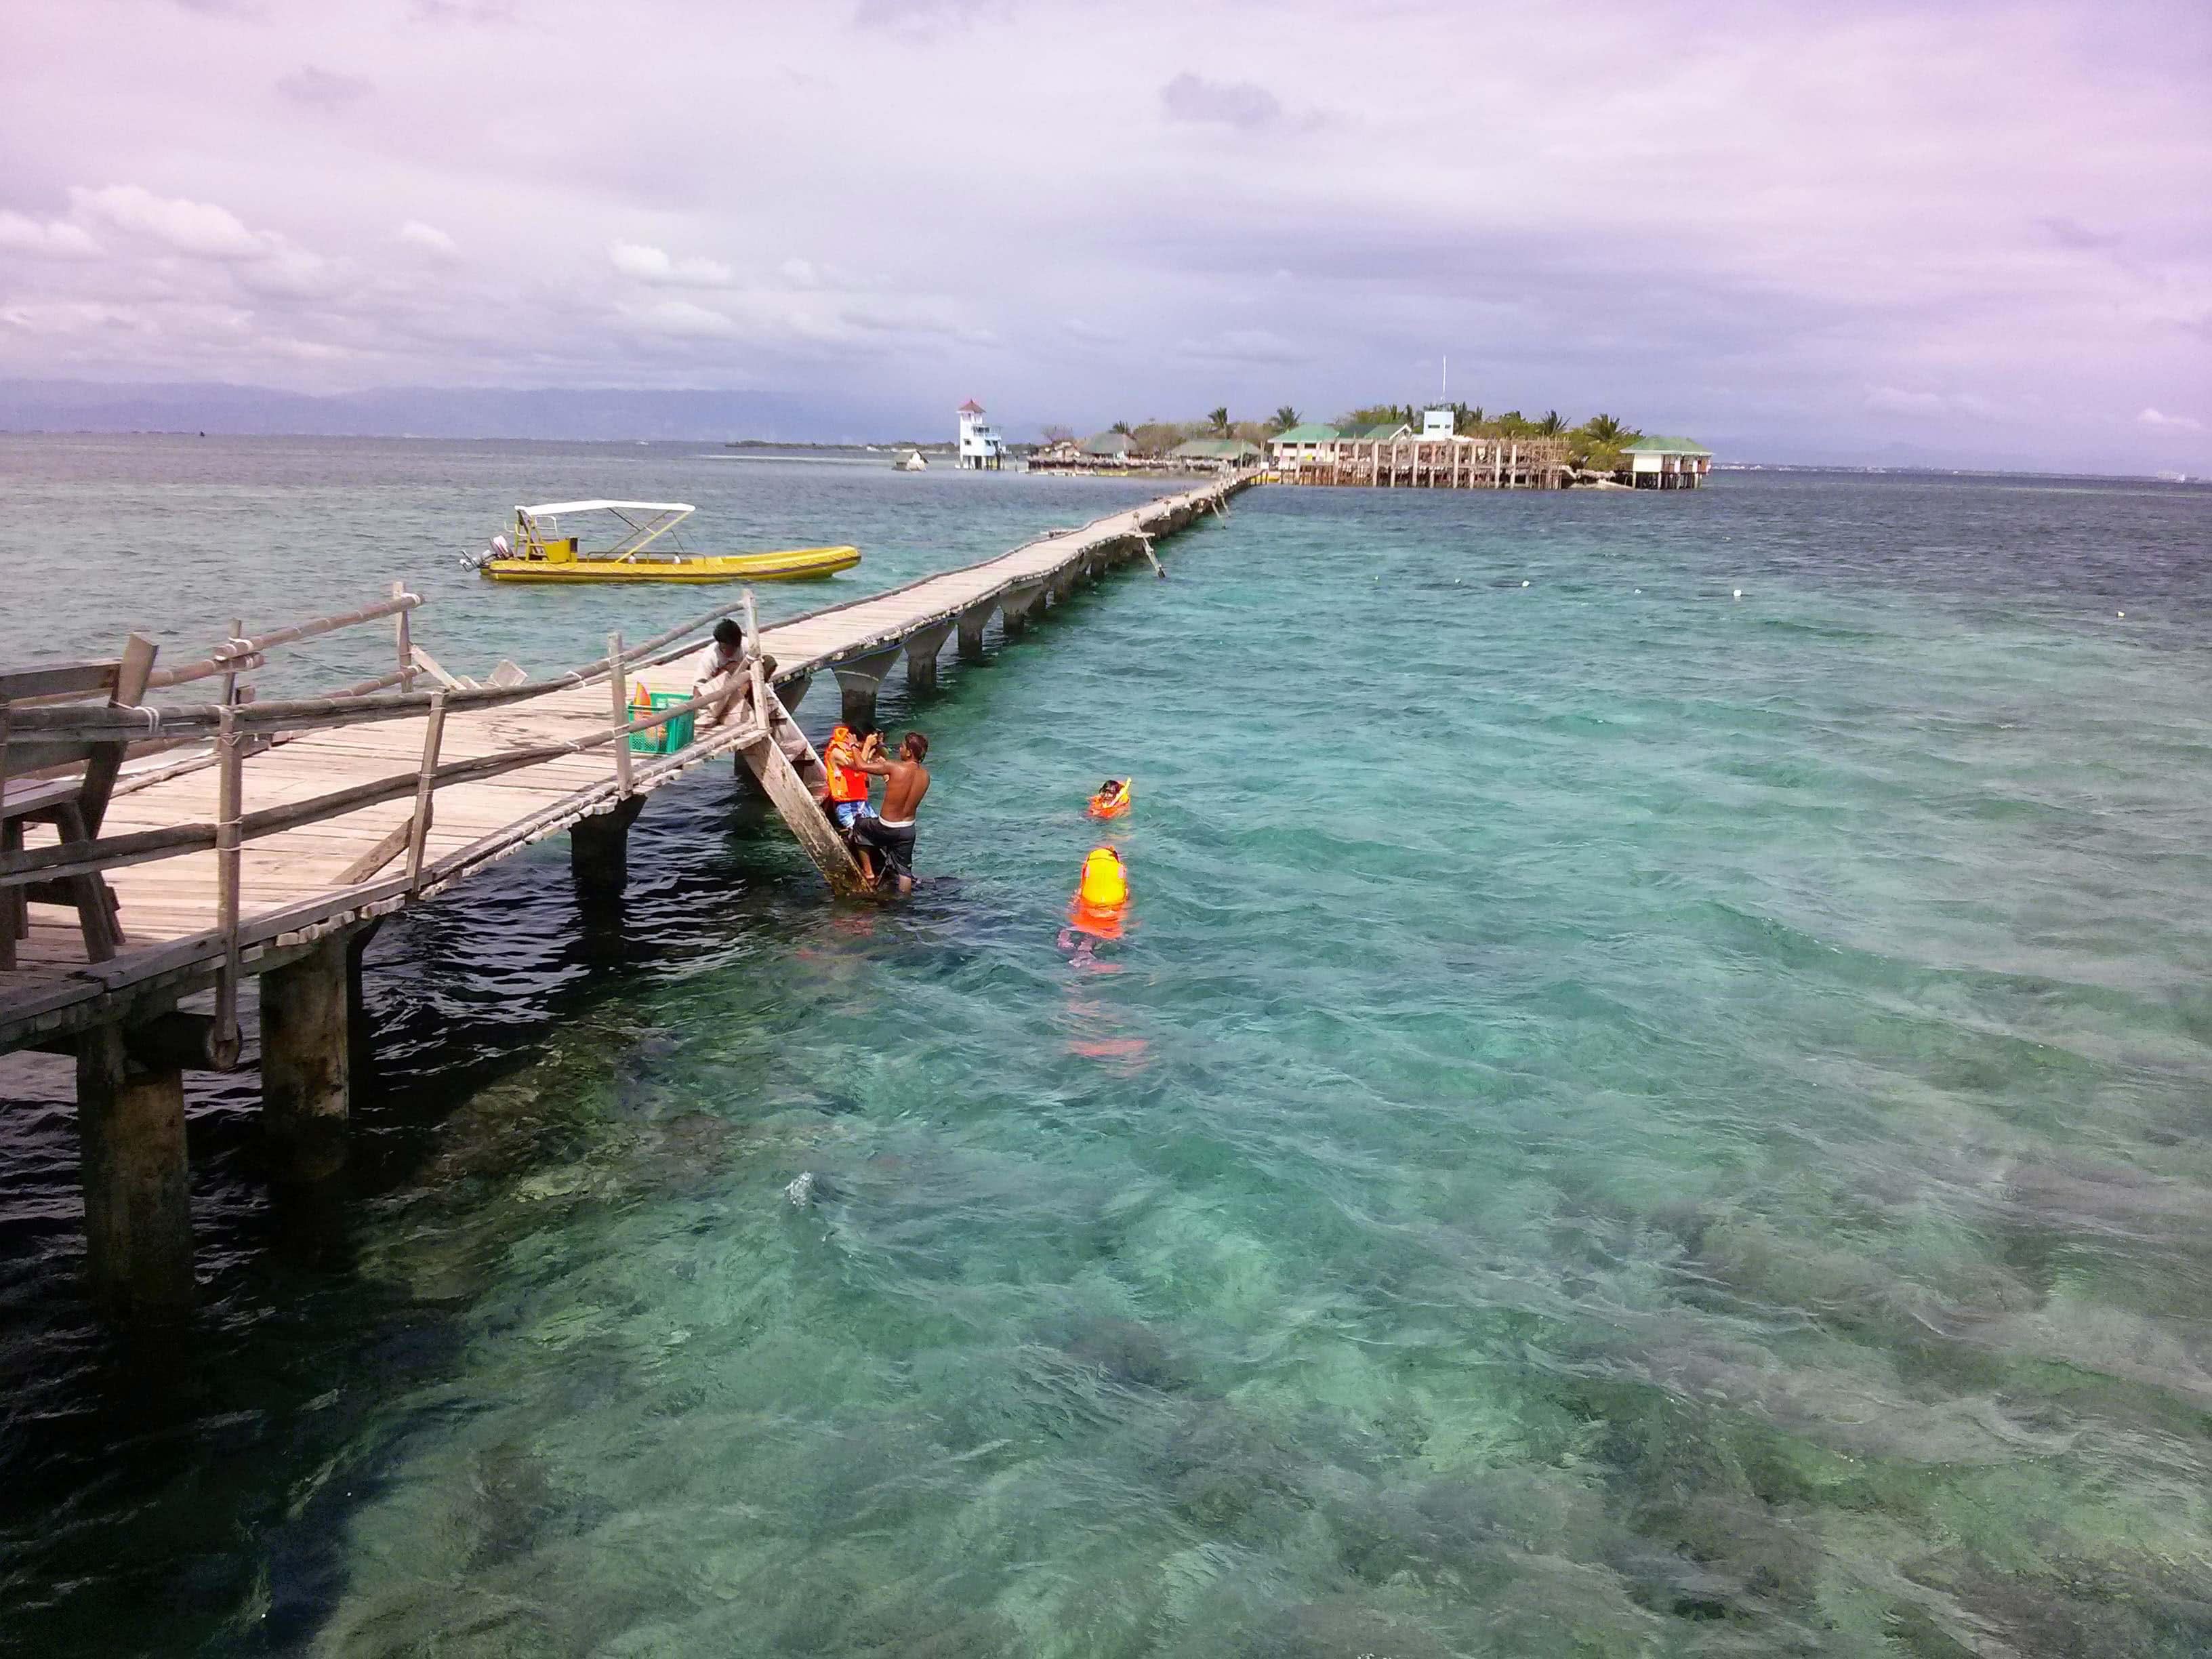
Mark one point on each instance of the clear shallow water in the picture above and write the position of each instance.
(1628, 1122)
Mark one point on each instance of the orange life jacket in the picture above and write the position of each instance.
(1102, 899)
(1103, 805)
(846, 783)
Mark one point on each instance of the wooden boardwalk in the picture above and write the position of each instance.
(300, 883)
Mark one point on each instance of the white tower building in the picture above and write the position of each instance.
(981, 446)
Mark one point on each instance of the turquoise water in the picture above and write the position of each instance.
(1630, 1120)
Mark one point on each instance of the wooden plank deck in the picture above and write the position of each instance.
(292, 884)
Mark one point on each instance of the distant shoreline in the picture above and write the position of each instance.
(764, 448)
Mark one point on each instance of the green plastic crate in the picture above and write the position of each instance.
(664, 739)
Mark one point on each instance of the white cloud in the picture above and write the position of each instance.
(199, 228)
(429, 238)
(681, 319)
(648, 263)
(2160, 423)
(51, 238)
(799, 273)
(292, 274)
(1895, 400)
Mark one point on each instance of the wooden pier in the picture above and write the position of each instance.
(157, 851)
(1412, 462)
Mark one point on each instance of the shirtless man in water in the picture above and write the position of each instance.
(906, 780)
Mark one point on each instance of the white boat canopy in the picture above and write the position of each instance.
(643, 523)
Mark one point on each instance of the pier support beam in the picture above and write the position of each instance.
(138, 1184)
(972, 623)
(1019, 605)
(306, 1061)
(859, 678)
(922, 648)
(599, 850)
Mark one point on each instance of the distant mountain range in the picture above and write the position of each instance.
(428, 412)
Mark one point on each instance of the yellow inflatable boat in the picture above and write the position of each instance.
(542, 553)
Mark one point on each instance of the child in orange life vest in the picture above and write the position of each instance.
(1111, 800)
(847, 801)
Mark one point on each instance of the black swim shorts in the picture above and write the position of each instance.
(894, 841)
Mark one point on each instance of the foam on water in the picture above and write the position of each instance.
(1630, 1120)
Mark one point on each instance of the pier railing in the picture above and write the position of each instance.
(46, 738)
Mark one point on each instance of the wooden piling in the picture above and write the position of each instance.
(137, 1182)
(599, 849)
(306, 1058)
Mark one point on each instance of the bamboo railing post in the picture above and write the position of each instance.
(618, 695)
(404, 634)
(230, 679)
(230, 790)
(418, 831)
(750, 624)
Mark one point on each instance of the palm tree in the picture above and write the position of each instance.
(1124, 428)
(1604, 429)
(1551, 426)
(1285, 418)
(1219, 420)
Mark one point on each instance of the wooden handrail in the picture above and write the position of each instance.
(145, 846)
(200, 720)
(251, 652)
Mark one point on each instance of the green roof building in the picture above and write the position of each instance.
(1667, 463)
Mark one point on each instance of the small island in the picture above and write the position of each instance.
(1442, 445)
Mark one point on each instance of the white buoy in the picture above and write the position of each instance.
(1739, 593)
(1524, 584)
(2120, 613)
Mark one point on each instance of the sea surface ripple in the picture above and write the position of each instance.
(1629, 1119)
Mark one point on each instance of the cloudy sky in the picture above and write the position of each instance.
(1960, 233)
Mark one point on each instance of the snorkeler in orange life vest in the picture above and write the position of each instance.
(1113, 797)
(1102, 899)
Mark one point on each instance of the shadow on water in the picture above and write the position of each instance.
(163, 1453)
